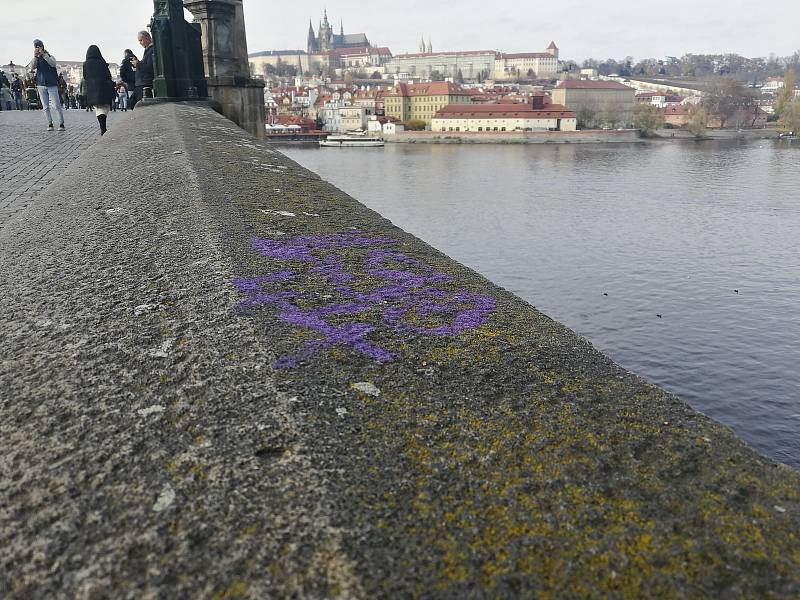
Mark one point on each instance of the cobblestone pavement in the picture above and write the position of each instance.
(31, 157)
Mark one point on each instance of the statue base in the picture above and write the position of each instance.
(240, 100)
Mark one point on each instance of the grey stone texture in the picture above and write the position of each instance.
(149, 448)
(31, 158)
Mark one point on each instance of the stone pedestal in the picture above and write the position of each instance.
(177, 62)
(237, 96)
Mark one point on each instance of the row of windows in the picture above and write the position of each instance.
(479, 129)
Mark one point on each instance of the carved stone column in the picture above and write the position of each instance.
(239, 97)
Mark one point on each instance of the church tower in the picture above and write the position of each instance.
(422, 45)
(312, 39)
(325, 34)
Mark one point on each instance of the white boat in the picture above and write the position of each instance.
(351, 141)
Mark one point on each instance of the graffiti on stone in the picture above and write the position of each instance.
(369, 285)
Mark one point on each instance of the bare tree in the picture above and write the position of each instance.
(698, 120)
(727, 96)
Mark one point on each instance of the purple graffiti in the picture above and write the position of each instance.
(408, 298)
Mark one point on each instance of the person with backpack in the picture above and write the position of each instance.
(44, 64)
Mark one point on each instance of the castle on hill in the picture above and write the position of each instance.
(325, 40)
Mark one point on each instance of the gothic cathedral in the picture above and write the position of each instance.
(325, 41)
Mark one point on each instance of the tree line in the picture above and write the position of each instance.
(695, 65)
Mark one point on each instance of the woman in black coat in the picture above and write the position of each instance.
(100, 89)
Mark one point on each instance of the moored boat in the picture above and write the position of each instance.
(351, 141)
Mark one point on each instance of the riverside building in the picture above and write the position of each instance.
(421, 101)
(485, 118)
(597, 102)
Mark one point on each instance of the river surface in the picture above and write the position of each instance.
(671, 229)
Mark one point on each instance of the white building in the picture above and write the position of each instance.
(448, 64)
(393, 128)
(539, 65)
(338, 117)
(351, 118)
(773, 85)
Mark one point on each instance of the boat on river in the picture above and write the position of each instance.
(352, 140)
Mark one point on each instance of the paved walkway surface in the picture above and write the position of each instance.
(32, 157)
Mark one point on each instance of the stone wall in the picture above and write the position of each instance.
(515, 137)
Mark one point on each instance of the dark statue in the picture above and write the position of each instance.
(178, 59)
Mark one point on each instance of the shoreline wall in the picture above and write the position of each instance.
(515, 137)
(239, 381)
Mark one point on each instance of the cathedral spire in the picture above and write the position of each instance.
(341, 28)
(422, 45)
(312, 37)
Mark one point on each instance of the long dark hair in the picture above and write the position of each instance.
(94, 52)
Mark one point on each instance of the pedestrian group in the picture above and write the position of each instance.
(42, 87)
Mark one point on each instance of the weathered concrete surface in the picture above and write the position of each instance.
(149, 447)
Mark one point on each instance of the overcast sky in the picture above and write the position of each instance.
(609, 29)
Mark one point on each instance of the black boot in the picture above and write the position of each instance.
(102, 120)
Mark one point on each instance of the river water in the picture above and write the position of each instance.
(671, 229)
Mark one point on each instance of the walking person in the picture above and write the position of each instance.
(6, 98)
(144, 68)
(128, 75)
(16, 89)
(122, 96)
(62, 91)
(100, 89)
(46, 82)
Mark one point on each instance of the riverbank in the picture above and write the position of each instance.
(592, 136)
(719, 134)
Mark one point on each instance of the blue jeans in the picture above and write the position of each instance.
(46, 93)
(18, 100)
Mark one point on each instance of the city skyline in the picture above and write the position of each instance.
(616, 30)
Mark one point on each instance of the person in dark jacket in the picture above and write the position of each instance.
(128, 75)
(44, 64)
(17, 87)
(100, 88)
(145, 72)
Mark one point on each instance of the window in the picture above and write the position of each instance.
(480, 128)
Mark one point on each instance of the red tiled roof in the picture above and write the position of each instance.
(528, 55)
(586, 84)
(435, 88)
(360, 51)
(466, 53)
(504, 111)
